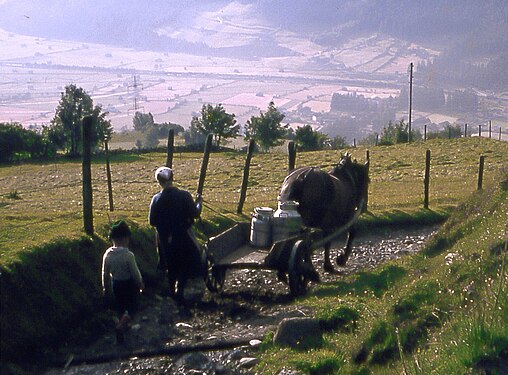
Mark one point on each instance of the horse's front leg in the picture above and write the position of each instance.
(342, 258)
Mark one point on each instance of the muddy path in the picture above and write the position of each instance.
(251, 305)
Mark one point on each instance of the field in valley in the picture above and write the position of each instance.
(174, 86)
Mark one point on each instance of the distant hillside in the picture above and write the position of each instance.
(476, 27)
(470, 36)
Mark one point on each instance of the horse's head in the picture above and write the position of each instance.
(343, 166)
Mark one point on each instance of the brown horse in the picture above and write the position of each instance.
(328, 200)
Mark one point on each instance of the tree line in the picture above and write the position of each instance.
(63, 134)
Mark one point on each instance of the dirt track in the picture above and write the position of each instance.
(252, 304)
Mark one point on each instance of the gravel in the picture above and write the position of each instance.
(252, 304)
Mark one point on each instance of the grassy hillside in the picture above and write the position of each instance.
(46, 198)
(50, 269)
(443, 311)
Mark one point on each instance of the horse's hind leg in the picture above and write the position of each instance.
(342, 259)
(327, 265)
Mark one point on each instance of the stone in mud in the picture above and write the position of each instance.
(286, 371)
(236, 355)
(248, 362)
(297, 332)
(255, 343)
(194, 290)
(195, 361)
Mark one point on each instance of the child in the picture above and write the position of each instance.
(120, 274)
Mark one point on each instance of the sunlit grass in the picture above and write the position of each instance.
(441, 311)
(48, 195)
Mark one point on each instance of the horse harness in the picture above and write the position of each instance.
(352, 179)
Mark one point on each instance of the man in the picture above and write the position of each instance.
(172, 213)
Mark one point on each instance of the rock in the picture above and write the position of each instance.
(195, 361)
(194, 290)
(236, 355)
(286, 371)
(223, 370)
(295, 332)
(450, 258)
(167, 313)
(248, 362)
(255, 343)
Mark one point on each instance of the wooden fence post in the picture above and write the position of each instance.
(499, 133)
(170, 148)
(354, 142)
(425, 132)
(480, 172)
(490, 129)
(377, 139)
(479, 130)
(366, 197)
(426, 180)
(465, 130)
(108, 175)
(291, 156)
(245, 180)
(87, 175)
(204, 164)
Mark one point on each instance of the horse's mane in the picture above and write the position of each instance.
(351, 170)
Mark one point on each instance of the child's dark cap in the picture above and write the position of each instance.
(119, 229)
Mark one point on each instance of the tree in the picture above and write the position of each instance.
(308, 139)
(266, 129)
(15, 141)
(338, 142)
(11, 140)
(193, 136)
(65, 128)
(151, 136)
(397, 133)
(216, 121)
(142, 121)
(449, 131)
(165, 127)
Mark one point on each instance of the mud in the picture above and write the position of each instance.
(251, 305)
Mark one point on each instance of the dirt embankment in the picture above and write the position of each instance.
(251, 305)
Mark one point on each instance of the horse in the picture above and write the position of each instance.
(328, 200)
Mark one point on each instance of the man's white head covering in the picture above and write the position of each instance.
(163, 174)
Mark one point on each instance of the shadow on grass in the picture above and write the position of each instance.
(396, 217)
(376, 282)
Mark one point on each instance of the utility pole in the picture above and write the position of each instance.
(135, 85)
(410, 101)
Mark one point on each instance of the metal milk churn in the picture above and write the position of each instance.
(286, 221)
(261, 227)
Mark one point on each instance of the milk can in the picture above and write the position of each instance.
(286, 221)
(260, 228)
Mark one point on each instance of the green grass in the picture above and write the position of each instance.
(50, 194)
(427, 313)
(402, 316)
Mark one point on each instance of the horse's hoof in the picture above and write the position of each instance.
(310, 273)
(328, 267)
(281, 276)
(341, 260)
